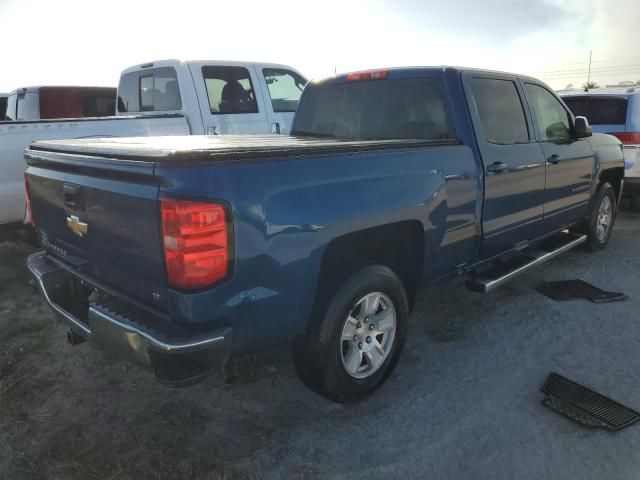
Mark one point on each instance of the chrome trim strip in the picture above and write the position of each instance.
(486, 285)
(158, 344)
(150, 339)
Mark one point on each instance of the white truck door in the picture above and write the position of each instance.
(230, 98)
(282, 89)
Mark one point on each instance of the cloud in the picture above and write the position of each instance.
(495, 20)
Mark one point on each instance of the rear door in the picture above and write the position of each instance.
(514, 166)
(570, 162)
(282, 88)
(231, 102)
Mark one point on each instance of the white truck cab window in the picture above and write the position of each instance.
(229, 89)
(285, 88)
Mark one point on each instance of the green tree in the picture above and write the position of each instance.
(589, 86)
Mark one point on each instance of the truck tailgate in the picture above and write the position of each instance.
(100, 216)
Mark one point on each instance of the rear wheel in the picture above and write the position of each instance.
(351, 349)
(601, 218)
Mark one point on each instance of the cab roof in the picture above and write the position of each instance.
(402, 72)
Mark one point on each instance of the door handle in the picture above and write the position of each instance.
(275, 128)
(554, 159)
(497, 167)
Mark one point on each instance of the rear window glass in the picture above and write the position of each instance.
(149, 90)
(229, 89)
(599, 110)
(102, 104)
(375, 109)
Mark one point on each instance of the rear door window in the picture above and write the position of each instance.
(375, 109)
(149, 90)
(500, 110)
(551, 117)
(599, 110)
(285, 88)
(229, 90)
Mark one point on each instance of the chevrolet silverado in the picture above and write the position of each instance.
(179, 252)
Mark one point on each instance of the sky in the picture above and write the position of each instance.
(89, 42)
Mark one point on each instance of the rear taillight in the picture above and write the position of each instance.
(28, 213)
(627, 138)
(196, 243)
(367, 75)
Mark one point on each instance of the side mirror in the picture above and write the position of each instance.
(582, 127)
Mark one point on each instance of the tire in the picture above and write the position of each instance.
(605, 199)
(348, 370)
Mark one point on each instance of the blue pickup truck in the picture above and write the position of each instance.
(179, 252)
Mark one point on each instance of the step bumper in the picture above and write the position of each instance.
(175, 360)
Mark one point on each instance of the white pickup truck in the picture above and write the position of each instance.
(168, 97)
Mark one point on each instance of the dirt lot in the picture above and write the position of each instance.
(463, 402)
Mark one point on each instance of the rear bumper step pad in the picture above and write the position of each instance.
(585, 406)
(578, 289)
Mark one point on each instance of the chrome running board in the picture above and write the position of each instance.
(494, 277)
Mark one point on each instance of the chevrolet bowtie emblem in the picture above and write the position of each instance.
(76, 226)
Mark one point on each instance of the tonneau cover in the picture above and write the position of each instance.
(230, 147)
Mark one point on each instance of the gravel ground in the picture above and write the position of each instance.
(464, 401)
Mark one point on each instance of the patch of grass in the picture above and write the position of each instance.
(77, 452)
(19, 340)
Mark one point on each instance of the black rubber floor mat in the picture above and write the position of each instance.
(576, 290)
(585, 406)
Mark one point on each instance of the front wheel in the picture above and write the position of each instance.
(601, 218)
(353, 346)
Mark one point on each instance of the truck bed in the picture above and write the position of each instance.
(203, 148)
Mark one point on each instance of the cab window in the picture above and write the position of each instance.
(285, 88)
(551, 117)
(229, 90)
(500, 110)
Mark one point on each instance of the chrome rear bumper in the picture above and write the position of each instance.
(176, 358)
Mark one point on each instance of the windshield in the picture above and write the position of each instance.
(374, 110)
